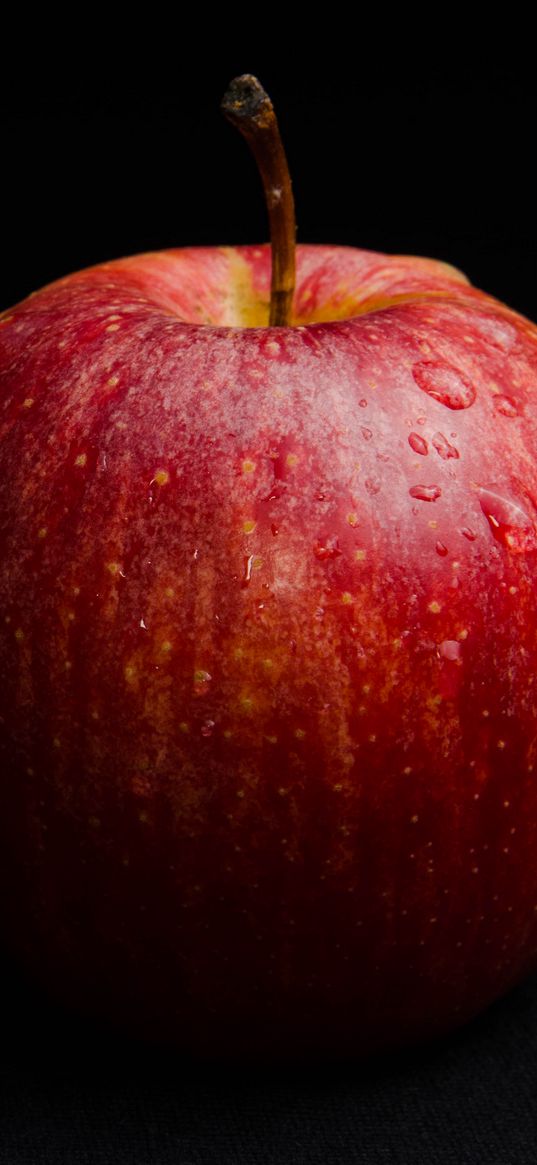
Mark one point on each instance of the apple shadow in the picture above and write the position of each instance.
(38, 1030)
(61, 1074)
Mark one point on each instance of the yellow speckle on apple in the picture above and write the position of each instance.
(161, 477)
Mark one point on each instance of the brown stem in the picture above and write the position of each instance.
(247, 106)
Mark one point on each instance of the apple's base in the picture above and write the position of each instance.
(277, 1032)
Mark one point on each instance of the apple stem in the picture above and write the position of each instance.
(249, 108)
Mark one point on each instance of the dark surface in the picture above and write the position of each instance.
(432, 160)
(72, 1095)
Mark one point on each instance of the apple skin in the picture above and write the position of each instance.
(268, 649)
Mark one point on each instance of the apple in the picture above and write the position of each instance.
(268, 648)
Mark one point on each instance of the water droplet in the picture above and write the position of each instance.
(469, 533)
(367, 434)
(508, 520)
(418, 444)
(318, 613)
(202, 680)
(444, 383)
(425, 493)
(441, 549)
(372, 485)
(450, 649)
(274, 528)
(505, 406)
(207, 728)
(247, 574)
(327, 549)
(363, 403)
(443, 447)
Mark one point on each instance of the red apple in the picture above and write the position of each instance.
(268, 648)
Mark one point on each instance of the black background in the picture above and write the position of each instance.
(441, 165)
(430, 158)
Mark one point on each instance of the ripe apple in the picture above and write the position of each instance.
(268, 648)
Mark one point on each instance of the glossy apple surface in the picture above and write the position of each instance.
(268, 648)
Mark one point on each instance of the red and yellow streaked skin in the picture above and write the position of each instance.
(268, 648)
